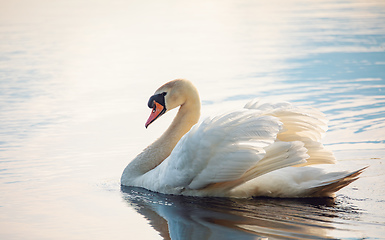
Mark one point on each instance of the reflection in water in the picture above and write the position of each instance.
(179, 217)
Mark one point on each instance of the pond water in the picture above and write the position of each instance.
(75, 77)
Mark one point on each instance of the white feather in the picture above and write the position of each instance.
(261, 150)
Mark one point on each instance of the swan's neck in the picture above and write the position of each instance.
(153, 155)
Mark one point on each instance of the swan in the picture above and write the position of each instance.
(265, 149)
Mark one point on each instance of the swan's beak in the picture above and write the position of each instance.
(156, 112)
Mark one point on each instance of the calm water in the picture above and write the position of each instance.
(75, 77)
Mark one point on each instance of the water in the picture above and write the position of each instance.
(75, 77)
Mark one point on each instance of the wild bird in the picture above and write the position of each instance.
(261, 150)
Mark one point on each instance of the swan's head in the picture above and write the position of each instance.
(158, 104)
(169, 96)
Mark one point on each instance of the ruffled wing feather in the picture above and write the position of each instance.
(220, 149)
(226, 151)
(307, 125)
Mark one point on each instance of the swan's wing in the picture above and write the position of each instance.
(224, 149)
(299, 123)
(307, 125)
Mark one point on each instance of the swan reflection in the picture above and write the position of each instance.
(179, 217)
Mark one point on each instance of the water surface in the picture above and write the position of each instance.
(75, 77)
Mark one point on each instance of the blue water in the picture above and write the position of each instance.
(75, 78)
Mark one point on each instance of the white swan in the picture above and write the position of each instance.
(261, 150)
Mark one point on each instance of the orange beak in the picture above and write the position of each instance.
(156, 112)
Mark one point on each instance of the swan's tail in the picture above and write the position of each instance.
(294, 182)
(328, 188)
